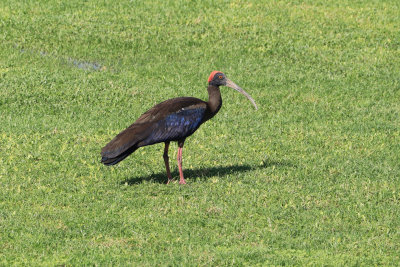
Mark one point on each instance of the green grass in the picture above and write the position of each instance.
(312, 177)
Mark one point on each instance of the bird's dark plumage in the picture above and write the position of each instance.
(171, 120)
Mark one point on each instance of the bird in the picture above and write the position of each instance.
(172, 120)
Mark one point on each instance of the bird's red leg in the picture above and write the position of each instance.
(166, 160)
(180, 146)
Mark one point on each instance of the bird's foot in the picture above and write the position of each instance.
(182, 181)
(170, 180)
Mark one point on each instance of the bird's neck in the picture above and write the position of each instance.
(214, 101)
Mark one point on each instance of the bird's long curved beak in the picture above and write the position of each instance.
(233, 85)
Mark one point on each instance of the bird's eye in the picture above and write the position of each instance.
(220, 77)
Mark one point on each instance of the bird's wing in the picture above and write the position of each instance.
(169, 119)
(125, 140)
(175, 126)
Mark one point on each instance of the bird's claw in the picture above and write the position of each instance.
(170, 181)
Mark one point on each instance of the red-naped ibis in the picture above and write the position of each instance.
(171, 120)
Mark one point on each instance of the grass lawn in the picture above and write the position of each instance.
(312, 177)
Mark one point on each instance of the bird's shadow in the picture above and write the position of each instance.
(204, 173)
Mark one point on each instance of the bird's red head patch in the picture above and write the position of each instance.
(212, 75)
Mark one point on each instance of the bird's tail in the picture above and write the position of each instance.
(112, 161)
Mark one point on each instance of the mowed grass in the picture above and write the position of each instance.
(312, 177)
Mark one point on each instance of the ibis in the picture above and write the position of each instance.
(172, 120)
